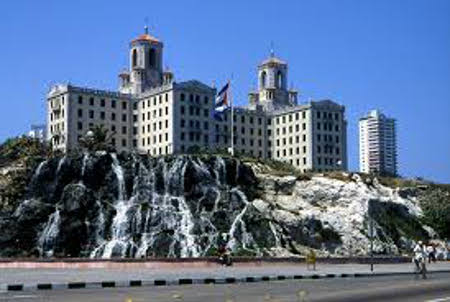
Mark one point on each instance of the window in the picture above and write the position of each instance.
(269, 121)
(124, 117)
(297, 116)
(182, 97)
(124, 105)
(113, 116)
(242, 119)
(318, 125)
(303, 114)
(135, 118)
(124, 143)
(318, 114)
(134, 58)
(205, 112)
(182, 109)
(113, 128)
(304, 137)
(80, 126)
(152, 58)
(182, 123)
(336, 116)
(134, 130)
(80, 113)
(91, 113)
(102, 115)
(182, 136)
(124, 130)
(251, 120)
(80, 100)
(205, 125)
(336, 128)
(91, 101)
(167, 110)
(263, 79)
(113, 103)
(205, 100)
(102, 102)
(318, 137)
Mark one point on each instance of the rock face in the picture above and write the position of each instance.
(104, 205)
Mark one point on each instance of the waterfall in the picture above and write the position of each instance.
(85, 162)
(160, 217)
(38, 171)
(120, 225)
(60, 164)
(48, 236)
(239, 224)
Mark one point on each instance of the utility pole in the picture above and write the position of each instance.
(371, 243)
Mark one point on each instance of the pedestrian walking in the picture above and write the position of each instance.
(420, 255)
(431, 251)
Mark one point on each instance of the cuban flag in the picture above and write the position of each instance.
(221, 103)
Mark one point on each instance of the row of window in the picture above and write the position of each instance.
(194, 111)
(327, 138)
(156, 139)
(155, 99)
(156, 113)
(101, 115)
(328, 161)
(156, 126)
(194, 98)
(290, 139)
(288, 118)
(56, 115)
(327, 115)
(327, 126)
(327, 149)
(102, 102)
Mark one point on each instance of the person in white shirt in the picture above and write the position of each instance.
(420, 255)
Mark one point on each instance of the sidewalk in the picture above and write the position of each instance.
(29, 277)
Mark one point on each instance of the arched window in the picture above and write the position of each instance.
(152, 58)
(279, 80)
(263, 79)
(134, 58)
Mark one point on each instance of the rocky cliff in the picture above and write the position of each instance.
(104, 205)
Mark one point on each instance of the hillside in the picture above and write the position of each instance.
(102, 204)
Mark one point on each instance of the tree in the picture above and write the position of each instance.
(98, 139)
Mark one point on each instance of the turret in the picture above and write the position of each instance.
(146, 61)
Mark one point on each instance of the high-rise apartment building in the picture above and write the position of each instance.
(377, 144)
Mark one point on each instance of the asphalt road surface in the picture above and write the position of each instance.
(390, 288)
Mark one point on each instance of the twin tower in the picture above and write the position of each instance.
(146, 72)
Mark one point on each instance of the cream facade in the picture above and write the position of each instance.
(377, 144)
(153, 114)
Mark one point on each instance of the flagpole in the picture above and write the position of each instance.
(232, 119)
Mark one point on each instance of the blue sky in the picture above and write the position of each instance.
(393, 55)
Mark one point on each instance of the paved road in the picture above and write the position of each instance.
(60, 275)
(401, 288)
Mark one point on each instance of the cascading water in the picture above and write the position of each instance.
(48, 236)
(120, 239)
(161, 217)
(38, 170)
(60, 164)
(238, 227)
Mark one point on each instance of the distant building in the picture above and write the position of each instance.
(38, 132)
(377, 144)
(152, 113)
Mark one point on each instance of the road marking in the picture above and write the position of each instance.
(439, 300)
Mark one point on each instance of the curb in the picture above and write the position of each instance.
(190, 281)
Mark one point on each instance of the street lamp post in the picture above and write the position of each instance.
(371, 244)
